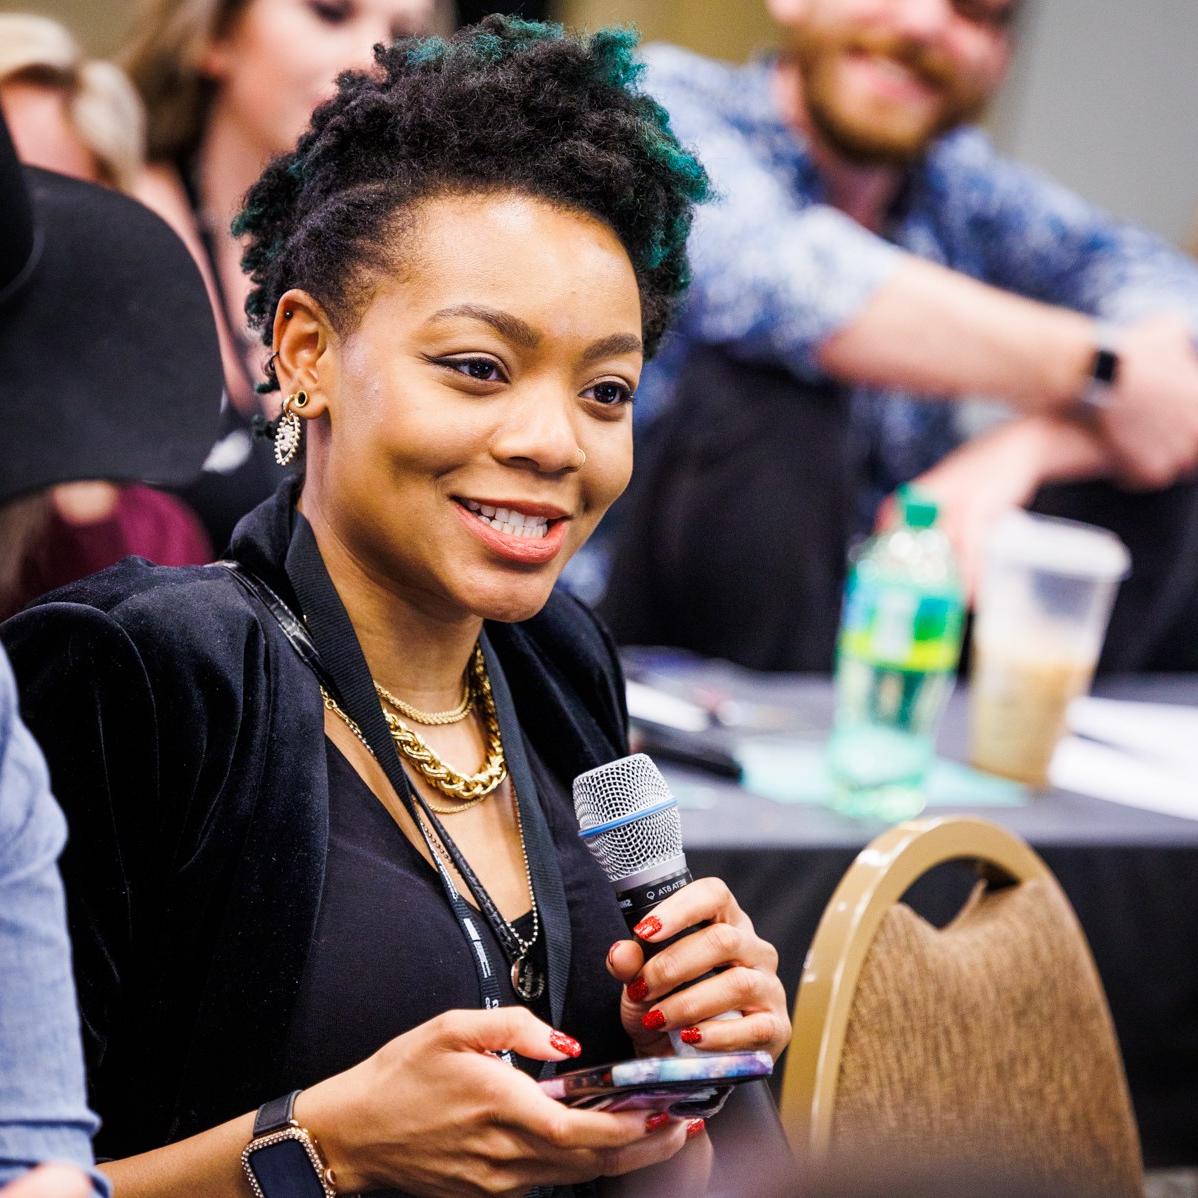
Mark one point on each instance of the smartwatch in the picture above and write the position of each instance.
(1104, 369)
(281, 1160)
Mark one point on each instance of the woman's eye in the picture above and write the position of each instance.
(332, 12)
(609, 393)
(482, 370)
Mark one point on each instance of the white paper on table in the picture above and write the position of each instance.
(655, 706)
(1106, 772)
(1163, 732)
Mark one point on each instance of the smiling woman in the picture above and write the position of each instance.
(474, 378)
(321, 832)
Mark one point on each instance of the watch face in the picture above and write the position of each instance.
(284, 1170)
(1106, 367)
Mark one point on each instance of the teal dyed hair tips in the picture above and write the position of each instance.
(489, 47)
(615, 58)
(427, 50)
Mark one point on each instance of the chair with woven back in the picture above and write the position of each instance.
(987, 1039)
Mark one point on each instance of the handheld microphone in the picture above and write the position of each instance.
(629, 820)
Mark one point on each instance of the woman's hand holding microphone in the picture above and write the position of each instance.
(746, 981)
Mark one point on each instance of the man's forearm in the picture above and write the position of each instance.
(1061, 450)
(934, 331)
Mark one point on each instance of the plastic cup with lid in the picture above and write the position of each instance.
(1045, 602)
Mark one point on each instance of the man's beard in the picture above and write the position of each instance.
(890, 134)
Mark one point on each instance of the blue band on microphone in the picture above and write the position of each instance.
(665, 805)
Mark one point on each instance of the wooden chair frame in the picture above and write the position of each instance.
(882, 873)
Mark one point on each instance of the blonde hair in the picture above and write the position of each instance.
(101, 102)
(163, 60)
(164, 57)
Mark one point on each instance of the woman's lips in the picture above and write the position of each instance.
(527, 550)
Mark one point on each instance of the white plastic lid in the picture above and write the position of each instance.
(1054, 546)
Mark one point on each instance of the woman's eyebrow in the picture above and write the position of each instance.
(607, 347)
(511, 327)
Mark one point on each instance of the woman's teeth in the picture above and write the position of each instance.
(514, 524)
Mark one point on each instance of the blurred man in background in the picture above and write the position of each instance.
(872, 253)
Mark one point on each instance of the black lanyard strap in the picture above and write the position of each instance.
(345, 666)
(343, 663)
(543, 867)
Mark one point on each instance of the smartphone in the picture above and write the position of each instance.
(687, 1087)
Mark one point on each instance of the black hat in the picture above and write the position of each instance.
(109, 362)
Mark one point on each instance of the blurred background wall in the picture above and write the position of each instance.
(1104, 95)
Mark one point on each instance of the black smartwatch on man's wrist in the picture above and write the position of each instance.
(1103, 373)
(282, 1160)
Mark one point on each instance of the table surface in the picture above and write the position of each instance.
(722, 814)
(1132, 876)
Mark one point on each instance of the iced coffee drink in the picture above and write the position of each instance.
(1017, 710)
(1043, 610)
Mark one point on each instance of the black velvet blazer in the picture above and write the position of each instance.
(185, 741)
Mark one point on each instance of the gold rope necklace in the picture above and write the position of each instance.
(468, 789)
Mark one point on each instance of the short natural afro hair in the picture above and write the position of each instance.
(503, 105)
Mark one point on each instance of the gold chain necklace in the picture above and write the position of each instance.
(430, 718)
(527, 981)
(468, 789)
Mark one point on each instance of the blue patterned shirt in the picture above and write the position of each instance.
(777, 270)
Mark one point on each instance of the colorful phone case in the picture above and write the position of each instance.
(688, 1086)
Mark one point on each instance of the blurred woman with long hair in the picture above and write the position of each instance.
(228, 85)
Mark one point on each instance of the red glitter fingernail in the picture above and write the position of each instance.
(649, 926)
(695, 1127)
(690, 1035)
(653, 1122)
(653, 1021)
(638, 990)
(564, 1043)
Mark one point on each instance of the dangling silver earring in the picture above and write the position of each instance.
(289, 430)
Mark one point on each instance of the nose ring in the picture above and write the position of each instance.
(582, 461)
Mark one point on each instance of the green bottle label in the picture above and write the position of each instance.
(893, 624)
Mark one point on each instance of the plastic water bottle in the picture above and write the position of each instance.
(900, 640)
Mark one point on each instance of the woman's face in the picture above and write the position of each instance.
(470, 432)
(278, 59)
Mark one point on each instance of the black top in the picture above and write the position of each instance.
(186, 745)
(388, 955)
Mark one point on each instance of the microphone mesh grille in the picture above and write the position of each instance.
(622, 788)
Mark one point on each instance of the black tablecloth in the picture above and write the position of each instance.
(1131, 875)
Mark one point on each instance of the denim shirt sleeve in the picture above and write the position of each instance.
(775, 272)
(1041, 240)
(43, 1110)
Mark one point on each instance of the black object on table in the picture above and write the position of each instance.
(1131, 875)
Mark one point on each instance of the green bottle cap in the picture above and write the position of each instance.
(919, 508)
